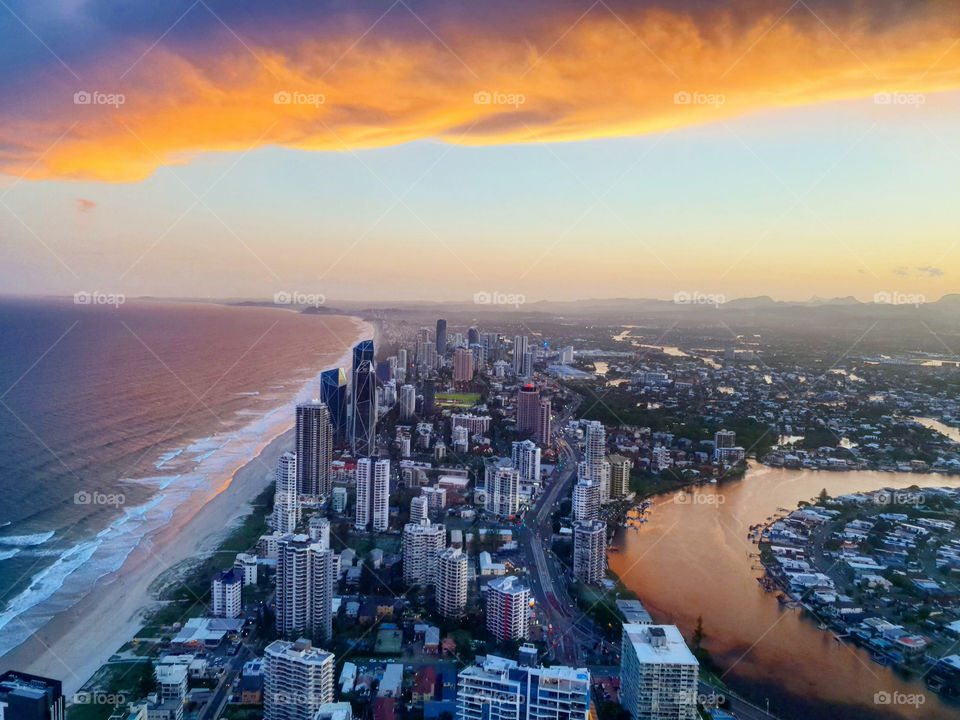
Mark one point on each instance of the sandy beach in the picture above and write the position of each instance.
(73, 644)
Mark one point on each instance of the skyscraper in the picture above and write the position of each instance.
(462, 366)
(526, 459)
(408, 401)
(473, 336)
(520, 347)
(333, 394)
(619, 475)
(363, 403)
(544, 422)
(451, 582)
(595, 467)
(314, 443)
(528, 409)
(441, 336)
(305, 576)
(508, 609)
(589, 550)
(373, 494)
(422, 541)
(586, 500)
(31, 697)
(658, 674)
(503, 492)
(297, 680)
(286, 504)
(225, 593)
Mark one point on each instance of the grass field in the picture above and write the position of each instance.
(457, 399)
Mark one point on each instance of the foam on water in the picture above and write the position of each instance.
(77, 568)
(27, 540)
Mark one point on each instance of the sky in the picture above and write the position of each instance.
(432, 150)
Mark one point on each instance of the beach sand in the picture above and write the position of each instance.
(74, 644)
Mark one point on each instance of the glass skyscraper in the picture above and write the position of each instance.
(363, 405)
(333, 394)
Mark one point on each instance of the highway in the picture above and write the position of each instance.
(555, 609)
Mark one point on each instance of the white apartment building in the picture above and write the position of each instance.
(421, 543)
(658, 674)
(297, 680)
(319, 529)
(508, 609)
(373, 494)
(451, 582)
(503, 492)
(418, 509)
(247, 564)
(286, 503)
(225, 591)
(500, 689)
(305, 581)
(590, 550)
(526, 460)
(586, 500)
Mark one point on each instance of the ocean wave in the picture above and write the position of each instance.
(27, 540)
(76, 569)
(7, 554)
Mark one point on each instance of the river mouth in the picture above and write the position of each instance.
(694, 558)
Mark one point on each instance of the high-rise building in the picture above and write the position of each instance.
(441, 336)
(508, 609)
(422, 541)
(544, 422)
(460, 439)
(31, 697)
(297, 680)
(339, 502)
(408, 401)
(658, 674)
(724, 439)
(586, 500)
(619, 475)
(475, 424)
(526, 369)
(286, 503)
(595, 467)
(305, 577)
(225, 593)
(526, 459)
(363, 404)
(319, 529)
(373, 494)
(528, 409)
(500, 689)
(520, 347)
(429, 397)
(590, 550)
(333, 394)
(314, 445)
(473, 336)
(451, 582)
(503, 492)
(566, 355)
(462, 366)
(246, 563)
(661, 457)
(418, 509)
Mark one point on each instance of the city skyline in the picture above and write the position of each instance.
(758, 149)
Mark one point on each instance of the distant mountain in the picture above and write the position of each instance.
(848, 300)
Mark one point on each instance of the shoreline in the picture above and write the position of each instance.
(73, 644)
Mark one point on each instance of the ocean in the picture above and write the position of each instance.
(110, 417)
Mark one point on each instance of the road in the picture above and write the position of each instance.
(228, 680)
(556, 611)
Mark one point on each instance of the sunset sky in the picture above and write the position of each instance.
(430, 150)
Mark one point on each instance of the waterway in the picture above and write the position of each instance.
(694, 559)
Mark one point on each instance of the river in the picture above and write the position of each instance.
(693, 559)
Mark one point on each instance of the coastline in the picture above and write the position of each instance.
(72, 645)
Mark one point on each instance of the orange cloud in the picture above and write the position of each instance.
(558, 80)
